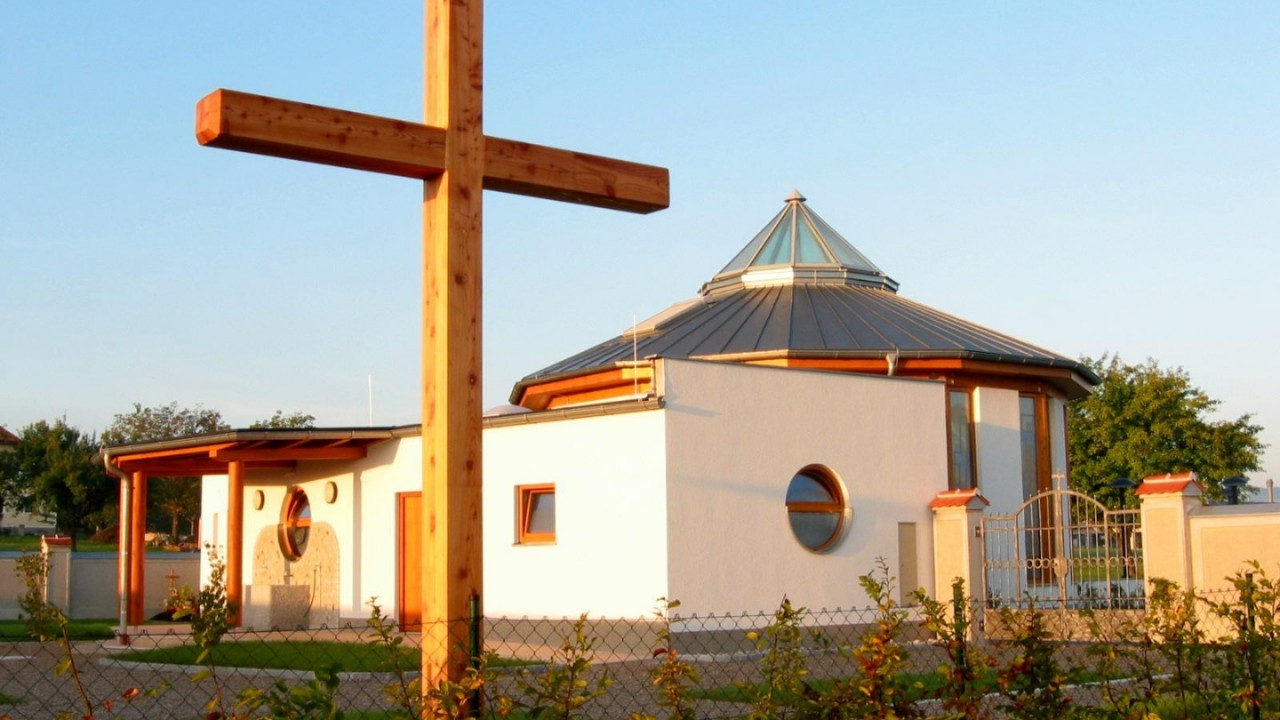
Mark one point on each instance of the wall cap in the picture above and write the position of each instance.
(971, 498)
(1171, 484)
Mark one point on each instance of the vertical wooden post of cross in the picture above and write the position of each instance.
(452, 537)
(455, 161)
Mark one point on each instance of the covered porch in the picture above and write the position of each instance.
(233, 454)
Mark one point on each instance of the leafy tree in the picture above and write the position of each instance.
(162, 422)
(176, 497)
(282, 421)
(13, 495)
(55, 470)
(1145, 420)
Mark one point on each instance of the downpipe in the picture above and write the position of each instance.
(126, 501)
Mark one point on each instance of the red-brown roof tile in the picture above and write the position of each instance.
(957, 498)
(1168, 484)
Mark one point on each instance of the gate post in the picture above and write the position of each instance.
(1167, 504)
(957, 541)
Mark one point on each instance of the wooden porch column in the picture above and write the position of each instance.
(137, 547)
(235, 539)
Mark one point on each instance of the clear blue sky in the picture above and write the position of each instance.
(1090, 177)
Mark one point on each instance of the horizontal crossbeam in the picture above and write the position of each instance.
(283, 128)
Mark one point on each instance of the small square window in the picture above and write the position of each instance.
(536, 522)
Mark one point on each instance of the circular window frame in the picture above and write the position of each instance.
(838, 506)
(295, 524)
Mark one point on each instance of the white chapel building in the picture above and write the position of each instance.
(776, 434)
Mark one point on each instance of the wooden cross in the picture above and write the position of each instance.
(456, 160)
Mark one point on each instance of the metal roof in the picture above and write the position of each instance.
(826, 300)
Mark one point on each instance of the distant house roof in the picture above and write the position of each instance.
(800, 290)
(8, 438)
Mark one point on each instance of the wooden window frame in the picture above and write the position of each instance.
(838, 506)
(525, 495)
(973, 441)
(1047, 544)
(289, 524)
(1044, 461)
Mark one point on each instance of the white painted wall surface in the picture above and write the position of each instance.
(999, 438)
(363, 517)
(213, 521)
(610, 553)
(392, 467)
(736, 436)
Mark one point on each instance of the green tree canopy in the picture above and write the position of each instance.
(1145, 420)
(56, 470)
(176, 497)
(162, 422)
(282, 421)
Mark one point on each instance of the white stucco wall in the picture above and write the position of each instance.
(736, 436)
(609, 557)
(213, 520)
(998, 435)
(997, 418)
(363, 517)
(391, 467)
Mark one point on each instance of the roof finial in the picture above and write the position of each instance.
(795, 196)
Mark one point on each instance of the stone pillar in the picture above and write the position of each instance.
(1167, 504)
(57, 587)
(957, 544)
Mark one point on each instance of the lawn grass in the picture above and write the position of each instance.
(930, 684)
(927, 684)
(295, 655)
(16, 630)
(31, 543)
(286, 655)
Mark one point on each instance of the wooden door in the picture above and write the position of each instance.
(409, 560)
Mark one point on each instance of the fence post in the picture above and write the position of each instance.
(1251, 641)
(476, 649)
(961, 631)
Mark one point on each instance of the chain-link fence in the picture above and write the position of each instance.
(956, 659)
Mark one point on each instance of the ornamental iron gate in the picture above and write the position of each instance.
(1063, 548)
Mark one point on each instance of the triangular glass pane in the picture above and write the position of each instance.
(743, 258)
(845, 253)
(777, 251)
(808, 250)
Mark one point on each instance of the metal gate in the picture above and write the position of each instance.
(1063, 548)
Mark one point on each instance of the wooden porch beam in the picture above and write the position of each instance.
(190, 452)
(347, 452)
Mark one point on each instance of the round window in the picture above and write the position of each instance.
(816, 508)
(295, 526)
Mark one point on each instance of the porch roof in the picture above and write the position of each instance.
(210, 454)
